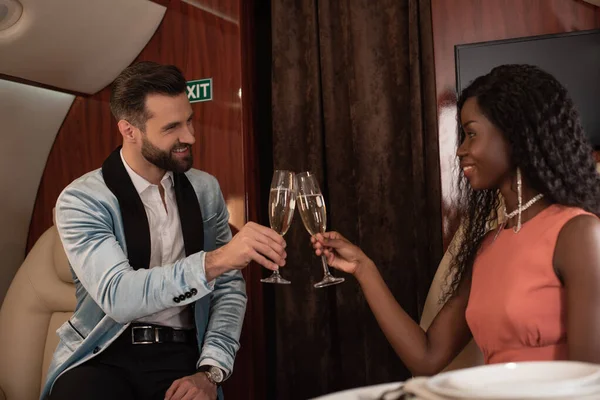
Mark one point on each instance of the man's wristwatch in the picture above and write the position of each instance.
(214, 374)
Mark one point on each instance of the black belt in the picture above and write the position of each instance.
(152, 334)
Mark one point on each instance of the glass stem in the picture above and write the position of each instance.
(325, 267)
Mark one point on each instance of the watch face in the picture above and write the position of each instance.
(216, 374)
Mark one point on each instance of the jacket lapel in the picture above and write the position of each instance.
(190, 214)
(135, 221)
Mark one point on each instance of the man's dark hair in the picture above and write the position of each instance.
(136, 82)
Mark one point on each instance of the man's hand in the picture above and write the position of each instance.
(193, 387)
(253, 242)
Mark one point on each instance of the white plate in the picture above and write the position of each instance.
(525, 380)
(369, 392)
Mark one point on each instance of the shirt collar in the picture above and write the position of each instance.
(140, 183)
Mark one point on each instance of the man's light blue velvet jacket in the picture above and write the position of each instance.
(111, 294)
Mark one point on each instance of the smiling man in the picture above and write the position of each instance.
(160, 294)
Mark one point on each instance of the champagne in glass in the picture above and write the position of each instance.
(314, 216)
(282, 202)
(313, 212)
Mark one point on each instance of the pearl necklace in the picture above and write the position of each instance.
(523, 208)
(518, 213)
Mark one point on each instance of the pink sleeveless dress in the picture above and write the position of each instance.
(516, 308)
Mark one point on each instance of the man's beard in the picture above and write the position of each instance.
(166, 160)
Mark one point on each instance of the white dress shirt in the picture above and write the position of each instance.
(166, 239)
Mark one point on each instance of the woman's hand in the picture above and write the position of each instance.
(340, 253)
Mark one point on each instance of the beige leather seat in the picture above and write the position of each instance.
(41, 297)
(471, 355)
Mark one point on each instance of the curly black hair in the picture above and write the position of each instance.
(547, 142)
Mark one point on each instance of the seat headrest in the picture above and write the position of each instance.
(61, 263)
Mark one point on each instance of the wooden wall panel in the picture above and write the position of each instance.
(256, 340)
(225, 9)
(204, 40)
(469, 21)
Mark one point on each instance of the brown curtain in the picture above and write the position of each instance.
(353, 101)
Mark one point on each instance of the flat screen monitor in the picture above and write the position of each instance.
(573, 58)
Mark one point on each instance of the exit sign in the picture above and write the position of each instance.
(199, 90)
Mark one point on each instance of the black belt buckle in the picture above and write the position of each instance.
(145, 327)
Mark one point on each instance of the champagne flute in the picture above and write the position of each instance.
(282, 202)
(314, 216)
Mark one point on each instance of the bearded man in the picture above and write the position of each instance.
(160, 294)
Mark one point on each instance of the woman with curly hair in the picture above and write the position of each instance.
(528, 290)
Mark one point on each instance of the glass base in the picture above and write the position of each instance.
(329, 280)
(276, 278)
